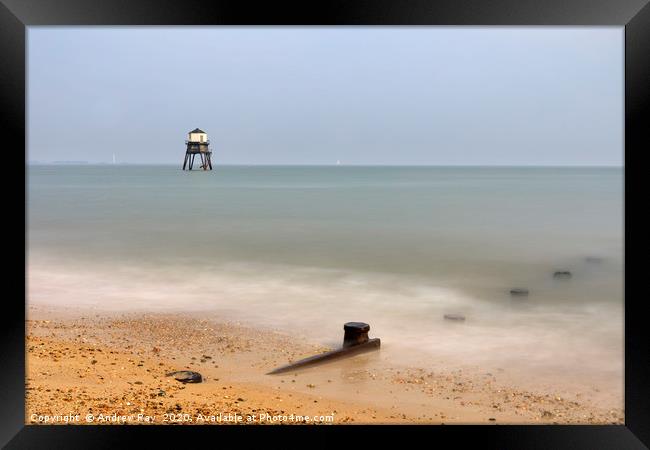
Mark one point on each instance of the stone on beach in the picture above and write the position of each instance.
(519, 292)
(593, 259)
(186, 376)
(564, 274)
(454, 317)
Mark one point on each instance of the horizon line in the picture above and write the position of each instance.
(88, 163)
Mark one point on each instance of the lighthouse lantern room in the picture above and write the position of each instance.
(198, 144)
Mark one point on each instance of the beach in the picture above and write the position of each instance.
(110, 368)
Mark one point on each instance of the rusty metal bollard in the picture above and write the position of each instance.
(355, 333)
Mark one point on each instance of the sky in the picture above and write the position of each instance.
(315, 95)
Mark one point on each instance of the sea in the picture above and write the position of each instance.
(304, 249)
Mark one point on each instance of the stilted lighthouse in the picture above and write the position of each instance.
(198, 144)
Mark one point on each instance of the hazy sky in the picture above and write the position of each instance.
(314, 95)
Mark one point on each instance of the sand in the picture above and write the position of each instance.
(94, 367)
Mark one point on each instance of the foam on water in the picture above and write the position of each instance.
(540, 341)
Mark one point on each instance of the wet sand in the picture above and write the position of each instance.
(96, 367)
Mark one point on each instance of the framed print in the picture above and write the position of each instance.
(354, 216)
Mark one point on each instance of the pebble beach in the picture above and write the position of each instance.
(90, 367)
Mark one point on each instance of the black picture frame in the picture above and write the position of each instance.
(634, 15)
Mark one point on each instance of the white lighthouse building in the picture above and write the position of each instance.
(198, 144)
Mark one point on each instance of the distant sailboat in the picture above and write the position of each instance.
(338, 162)
(113, 158)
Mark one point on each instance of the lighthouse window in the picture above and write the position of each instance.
(201, 137)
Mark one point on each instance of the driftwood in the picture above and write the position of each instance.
(355, 341)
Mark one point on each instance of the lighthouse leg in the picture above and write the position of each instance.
(209, 160)
(202, 161)
(185, 161)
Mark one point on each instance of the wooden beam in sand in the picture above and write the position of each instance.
(355, 341)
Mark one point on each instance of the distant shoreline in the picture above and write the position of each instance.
(487, 166)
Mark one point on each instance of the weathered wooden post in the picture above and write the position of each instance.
(355, 341)
(355, 333)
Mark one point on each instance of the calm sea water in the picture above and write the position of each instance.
(309, 248)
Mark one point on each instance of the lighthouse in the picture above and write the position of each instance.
(197, 144)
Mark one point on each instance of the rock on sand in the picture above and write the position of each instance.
(186, 376)
(563, 274)
(519, 292)
(455, 317)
